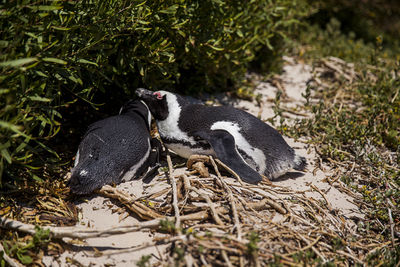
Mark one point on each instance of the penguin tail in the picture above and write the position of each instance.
(300, 163)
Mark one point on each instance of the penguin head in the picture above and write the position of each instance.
(78, 185)
(91, 174)
(156, 101)
(137, 107)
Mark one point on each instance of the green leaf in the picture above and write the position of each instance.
(141, 70)
(25, 259)
(1, 172)
(54, 60)
(22, 145)
(31, 35)
(269, 45)
(182, 33)
(12, 127)
(84, 61)
(219, 2)
(75, 80)
(60, 28)
(143, 22)
(18, 62)
(170, 10)
(40, 99)
(37, 178)
(216, 48)
(4, 91)
(4, 44)
(41, 74)
(45, 8)
(280, 8)
(6, 155)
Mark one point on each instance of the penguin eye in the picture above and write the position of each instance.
(158, 94)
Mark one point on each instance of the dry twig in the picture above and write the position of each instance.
(136, 207)
(214, 212)
(323, 195)
(84, 233)
(391, 226)
(174, 195)
(231, 200)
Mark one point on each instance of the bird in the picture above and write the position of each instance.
(247, 145)
(114, 150)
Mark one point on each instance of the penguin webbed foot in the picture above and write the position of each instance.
(150, 173)
(197, 163)
(196, 158)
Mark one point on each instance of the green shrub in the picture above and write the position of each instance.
(331, 41)
(366, 19)
(55, 53)
(350, 30)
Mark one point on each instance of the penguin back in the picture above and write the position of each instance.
(111, 149)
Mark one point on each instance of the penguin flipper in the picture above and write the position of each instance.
(157, 147)
(224, 146)
(153, 160)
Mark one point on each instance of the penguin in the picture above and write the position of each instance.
(115, 150)
(247, 145)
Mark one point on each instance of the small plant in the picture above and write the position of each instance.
(277, 111)
(167, 226)
(189, 231)
(252, 246)
(25, 251)
(391, 257)
(208, 234)
(337, 243)
(144, 261)
(179, 254)
(276, 262)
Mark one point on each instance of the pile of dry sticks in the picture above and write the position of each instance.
(215, 220)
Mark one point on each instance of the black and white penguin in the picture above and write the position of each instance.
(243, 142)
(114, 150)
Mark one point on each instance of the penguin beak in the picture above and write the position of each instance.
(156, 102)
(141, 92)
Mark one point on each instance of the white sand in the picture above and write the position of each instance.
(100, 213)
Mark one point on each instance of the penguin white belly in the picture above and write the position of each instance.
(256, 154)
(186, 151)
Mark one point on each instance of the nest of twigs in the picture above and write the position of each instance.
(218, 220)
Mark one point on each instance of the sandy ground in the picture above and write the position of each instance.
(99, 212)
(102, 213)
